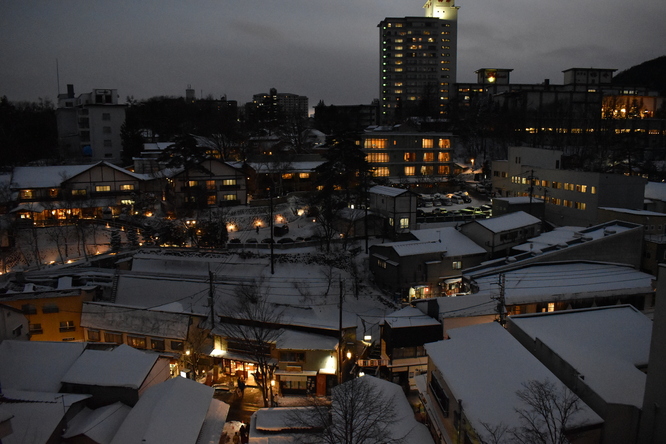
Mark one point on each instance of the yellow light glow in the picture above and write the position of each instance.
(349, 355)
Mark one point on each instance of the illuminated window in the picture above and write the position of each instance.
(27, 194)
(593, 190)
(443, 157)
(192, 183)
(378, 157)
(404, 223)
(127, 187)
(380, 172)
(428, 157)
(375, 143)
(410, 171)
(229, 182)
(81, 192)
(103, 188)
(581, 188)
(444, 144)
(303, 175)
(136, 341)
(210, 185)
(427, 143)
(443, 170)
(551, 306)
(409, 157)
(211, 200)
(427, 170)
(66, 326)
(229, 197)
(287, 176)
(456, 265)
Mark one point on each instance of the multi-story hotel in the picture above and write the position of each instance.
(405, 157)
(418, 62)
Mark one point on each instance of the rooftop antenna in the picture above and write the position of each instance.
(58, 76)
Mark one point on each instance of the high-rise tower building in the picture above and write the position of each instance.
(418, 62)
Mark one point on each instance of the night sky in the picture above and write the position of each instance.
(326, 50)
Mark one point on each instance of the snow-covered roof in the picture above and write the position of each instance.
(297, 340)
(518, 200)
(172, 411)
(283, 167)
(98, 425)
(558, 236)
(35, 415)
(122, 366)
(435, 240)
(54, 176)
(409, 317)
(489, 368)
(634, 212)
(387, 191)
(134, 320)
(45, 176)
(550, 282)
(213, 425)
(507, 222)
(606, 345)
(24, 364)
(655, 190)
(404, 425)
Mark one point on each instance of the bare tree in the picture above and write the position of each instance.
(548, 412)
(251, 325)
(359, 413)
(198, 338)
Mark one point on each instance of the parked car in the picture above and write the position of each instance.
(251, 241)
(235, 240)
(286, 240)
(267, 240)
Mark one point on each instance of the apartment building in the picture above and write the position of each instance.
(89, 126)
(418, 58)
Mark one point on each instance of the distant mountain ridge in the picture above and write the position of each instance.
(650, 74)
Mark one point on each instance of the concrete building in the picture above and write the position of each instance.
(89, 126)
(572, 197)
(600, 354)
(470, 390)
(418, 57)
(287, 103)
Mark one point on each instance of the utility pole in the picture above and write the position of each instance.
(211, 298)
(500, 305)
(340, 333)
(270, 195)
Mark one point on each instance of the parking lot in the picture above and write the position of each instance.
(452, 207)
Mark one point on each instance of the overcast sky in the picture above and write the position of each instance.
(324, 49)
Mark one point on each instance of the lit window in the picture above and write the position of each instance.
(192, 183)
(79, 192)
(375, 143)
(378, 157)
(228, 197)
(428, 157)
(427, 170)
(303, 175)
(444, 143)
(551, 306)
(103, 188)
(67, 326)
(443, 170)
(404, 223)
(427, 143)
(380, 172)
(136, 341)
(593, 190)
(211, 200)
(443, 157)
(287, 176)
(409, 157)
(27, 194)
(410, 171)
(126, 187)
(229, 182)
(456, 265)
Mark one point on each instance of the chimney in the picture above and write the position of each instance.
(70, 91)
